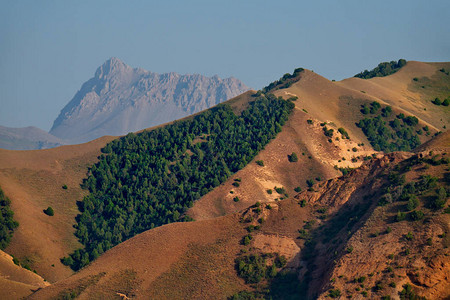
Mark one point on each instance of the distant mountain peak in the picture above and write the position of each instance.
(112, 66)
(120, 99)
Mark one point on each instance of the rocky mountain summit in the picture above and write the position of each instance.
(121, 99)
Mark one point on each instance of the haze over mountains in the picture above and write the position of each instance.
(120, 99)
(27, 138)
(349, 220)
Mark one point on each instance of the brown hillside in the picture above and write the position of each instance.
(17, 282)
(180, 260)
(320, 100)
(196, 260)
(402, 91)
(33, 181)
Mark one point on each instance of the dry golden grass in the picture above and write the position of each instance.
(33, 181)
(17, 282)
(158, 262)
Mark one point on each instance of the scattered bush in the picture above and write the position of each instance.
(344, 133)
(409, 236)
(246, 239)
(49, 211)
(436, 101)
(328, 132)
(260, 163)
(293, 157)
(408, 294)
(413, 202)
(64, 187)
(236, 199)
(298, 189)
(334, 293)
(280, 190)
(400, 216)
(417, 215)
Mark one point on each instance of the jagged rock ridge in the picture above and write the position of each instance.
(120, 99)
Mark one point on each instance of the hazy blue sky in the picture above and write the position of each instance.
(49, 48)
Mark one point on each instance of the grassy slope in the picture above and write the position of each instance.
(322, 101)
(33, 181)
(195, 260)
(34, 178)
(17, 282)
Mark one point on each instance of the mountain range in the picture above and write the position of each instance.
(120, 99)
(324, 209)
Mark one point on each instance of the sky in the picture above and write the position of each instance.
(48, 49)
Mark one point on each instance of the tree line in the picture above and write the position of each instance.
(149, 179)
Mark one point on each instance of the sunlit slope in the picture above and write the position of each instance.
(34, 180)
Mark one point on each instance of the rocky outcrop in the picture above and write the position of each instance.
(120, 99)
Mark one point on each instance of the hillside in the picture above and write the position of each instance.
(15, 281)
(333, 105)
(327, 236)
(36, 178)
(27, 138)
(120, 99)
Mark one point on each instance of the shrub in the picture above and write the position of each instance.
(334, 293)
(328, 132)
(246, 239)
(64, 187)
(236, 199)
(298, 189)
(251, 267)
(280, 190)
(436, 101)
(446, 102)
(344, 133)
(236, 184)
(409, 236)
(49, 211)
(417, 215)
(439, 201)
(280, 261)
(260, 163)
(309, 121)
(310, 182)
(400, 216)
(413, 202)
(269, 191)
(293, 157)
(407, 293)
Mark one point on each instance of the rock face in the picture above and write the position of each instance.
(120, 99)
(27, 138)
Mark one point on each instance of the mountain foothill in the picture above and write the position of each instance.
(309, 188)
